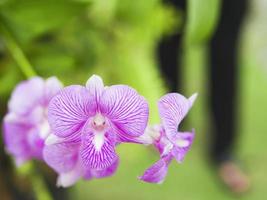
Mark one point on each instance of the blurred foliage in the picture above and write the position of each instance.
(201, 20)
(73, 39)
(29, 19)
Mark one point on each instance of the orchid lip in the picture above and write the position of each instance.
(99, 140)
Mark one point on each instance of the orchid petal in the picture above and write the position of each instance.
(20, 102)
(126, 109)
(62, 157)
(97, 150)
(183, 143)
(192, 99)
(15, 136)
(35, 142)
(95, 86)
(172, 109)
(53, 139)
(109, 171)
(69, 110)
(69, 178)
(156, 173)
(52, 87)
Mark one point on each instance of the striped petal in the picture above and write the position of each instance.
(69, 110)
(109, 171)
(97, 150)
(173, 108)
(126, 109)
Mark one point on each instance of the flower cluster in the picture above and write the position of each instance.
(76, 129)
(170, 142)
(25, 126)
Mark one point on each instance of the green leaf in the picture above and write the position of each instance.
(202, 18)
(30, 18)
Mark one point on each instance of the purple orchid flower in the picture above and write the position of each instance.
(166, 138)
(25, 126)
(87, 123)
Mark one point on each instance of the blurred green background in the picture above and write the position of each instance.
(73, 39)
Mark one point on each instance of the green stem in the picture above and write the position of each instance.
(38, 184)
(17, 52)
(39, 187)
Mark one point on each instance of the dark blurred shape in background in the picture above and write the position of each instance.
(223, 74)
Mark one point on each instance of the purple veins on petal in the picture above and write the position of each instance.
(96, 119)
(97, 150)
(173, 108)
(166, 138)
(69, 110)
(126, 109)
(109, 171)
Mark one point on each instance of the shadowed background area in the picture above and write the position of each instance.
(117, 39)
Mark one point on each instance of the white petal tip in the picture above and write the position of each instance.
(182, 143)
(61, 184)
(94, 80)
(193, 98)
(64, 181)
(142, 179)
(160, 182)
(54, 80)
(58, 184)
(150, 136)
(10, 117)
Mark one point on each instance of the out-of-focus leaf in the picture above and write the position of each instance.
(30, 18)
(105, 9)
(50, 58)
(9, 77)
(202, 18)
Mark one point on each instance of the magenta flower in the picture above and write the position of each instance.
(166, 138)
(87, 123)
(25, 126)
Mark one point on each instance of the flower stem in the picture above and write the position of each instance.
(39, 187)
(16, 52)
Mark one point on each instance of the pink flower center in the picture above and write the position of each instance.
(99, 122)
